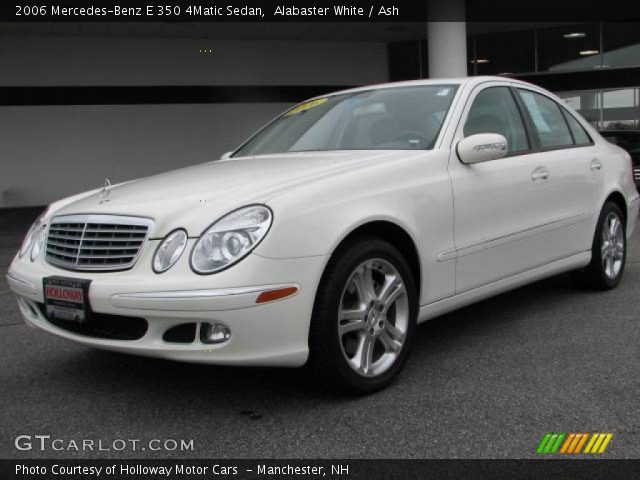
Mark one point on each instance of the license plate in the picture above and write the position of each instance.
(67, 298)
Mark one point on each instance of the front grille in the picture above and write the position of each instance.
(102, 325)
(636, 173)
(96, 242)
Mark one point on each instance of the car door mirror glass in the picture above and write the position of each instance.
(482, 148)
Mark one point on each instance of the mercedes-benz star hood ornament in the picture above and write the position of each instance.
(105, 191)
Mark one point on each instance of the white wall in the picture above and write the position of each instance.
(48, 152)
(51, 152)
(147, 61)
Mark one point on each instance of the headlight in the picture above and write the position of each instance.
(230, 239)
(31, 234)
(38, 242)
(169, 251)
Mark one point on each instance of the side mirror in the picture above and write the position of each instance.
(482, 148)
(225, 155)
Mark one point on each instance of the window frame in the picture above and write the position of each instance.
(532, 134)
(472, 99)
(566, 114)
(563, 113)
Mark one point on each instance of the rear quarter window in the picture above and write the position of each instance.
(580, 135)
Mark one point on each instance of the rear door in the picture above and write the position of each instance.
(574, 166)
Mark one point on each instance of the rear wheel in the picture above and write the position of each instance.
(608, 253)
(364, 317)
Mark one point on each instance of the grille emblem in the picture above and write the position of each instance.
(105, 191)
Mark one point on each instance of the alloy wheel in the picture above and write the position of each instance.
(612, 247)
(373, 317)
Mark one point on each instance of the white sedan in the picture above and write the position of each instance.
(334, 230)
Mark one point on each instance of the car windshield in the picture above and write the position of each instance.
(398, 118)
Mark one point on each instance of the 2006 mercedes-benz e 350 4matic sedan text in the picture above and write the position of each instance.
(334, 230)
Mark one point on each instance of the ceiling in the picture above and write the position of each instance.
(314, 31)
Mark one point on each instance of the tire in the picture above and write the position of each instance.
(608, 251)
(364, 317)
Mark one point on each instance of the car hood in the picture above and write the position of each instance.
(194, 197)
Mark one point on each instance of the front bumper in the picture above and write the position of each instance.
(269, 334)
(632, 215)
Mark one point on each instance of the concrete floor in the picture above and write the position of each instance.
(487, 381)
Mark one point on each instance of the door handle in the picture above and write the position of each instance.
(540, 173)
(595, 164)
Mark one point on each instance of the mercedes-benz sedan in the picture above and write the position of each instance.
(336, 229)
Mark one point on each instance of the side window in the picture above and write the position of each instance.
(494, 110)
(547, 120)
(580, 135)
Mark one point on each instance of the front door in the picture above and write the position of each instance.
(504, 214)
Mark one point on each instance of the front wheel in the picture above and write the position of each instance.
(609, 251)
(364, 317)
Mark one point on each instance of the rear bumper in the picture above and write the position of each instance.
(269, 334)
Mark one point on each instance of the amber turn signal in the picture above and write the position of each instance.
(278, 294)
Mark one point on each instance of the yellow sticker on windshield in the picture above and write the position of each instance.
(305, 106)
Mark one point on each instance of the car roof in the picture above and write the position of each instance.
(437, 81)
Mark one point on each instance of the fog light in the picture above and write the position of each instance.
(213, 333)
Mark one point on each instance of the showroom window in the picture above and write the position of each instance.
(621, 44)
(613, 109)
(547, 119)
(620, 109)
(494, 110)
(560, 48)
(571, 47)
(503, 53)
